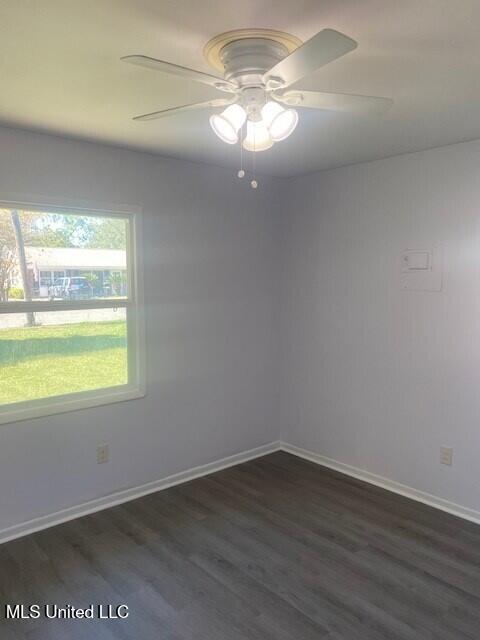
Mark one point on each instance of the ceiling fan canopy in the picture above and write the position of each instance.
(258, 66)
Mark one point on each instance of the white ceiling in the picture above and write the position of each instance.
(60, 72)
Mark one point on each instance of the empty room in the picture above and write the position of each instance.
(239, 320)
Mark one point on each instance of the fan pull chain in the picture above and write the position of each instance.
(254, 183)
(241, 172)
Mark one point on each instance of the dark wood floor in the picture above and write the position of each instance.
(274, 549)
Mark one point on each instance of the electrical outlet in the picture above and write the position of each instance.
(446, 456)
(102, 453)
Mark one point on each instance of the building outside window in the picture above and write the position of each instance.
(104, 269)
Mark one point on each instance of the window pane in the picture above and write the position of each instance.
(62, 256)
(64, 352)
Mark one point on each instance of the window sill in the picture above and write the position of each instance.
(64, 404)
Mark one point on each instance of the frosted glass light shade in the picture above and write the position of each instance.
(227, 123)
(257, 138)
(280, 122)
(270, 110)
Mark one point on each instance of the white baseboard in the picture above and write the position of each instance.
(50, 520)
(119, 497)
(391, 485)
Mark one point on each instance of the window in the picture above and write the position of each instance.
(70, 334)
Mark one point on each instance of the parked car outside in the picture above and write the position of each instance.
(71, 288)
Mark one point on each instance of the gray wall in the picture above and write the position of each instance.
(369, 375)
(212, 318)
(374, 376)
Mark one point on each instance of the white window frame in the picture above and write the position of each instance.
(134, 305)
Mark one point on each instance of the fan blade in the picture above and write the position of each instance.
(220, 102)
(326, 46)
(344, 102)
(183, 72)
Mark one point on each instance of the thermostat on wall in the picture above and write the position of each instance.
(421, 270)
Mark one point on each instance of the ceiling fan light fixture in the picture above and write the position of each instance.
(258, 137)
(257, 68)
(280, 122)
(227, 124)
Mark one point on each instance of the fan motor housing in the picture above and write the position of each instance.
(245, 61)
(244, 55)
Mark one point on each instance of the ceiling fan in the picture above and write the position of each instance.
(258, 67)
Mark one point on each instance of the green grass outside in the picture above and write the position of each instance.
(37, 362)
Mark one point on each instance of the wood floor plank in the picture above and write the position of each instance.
(277, 548)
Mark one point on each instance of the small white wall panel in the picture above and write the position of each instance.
(421, 270)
